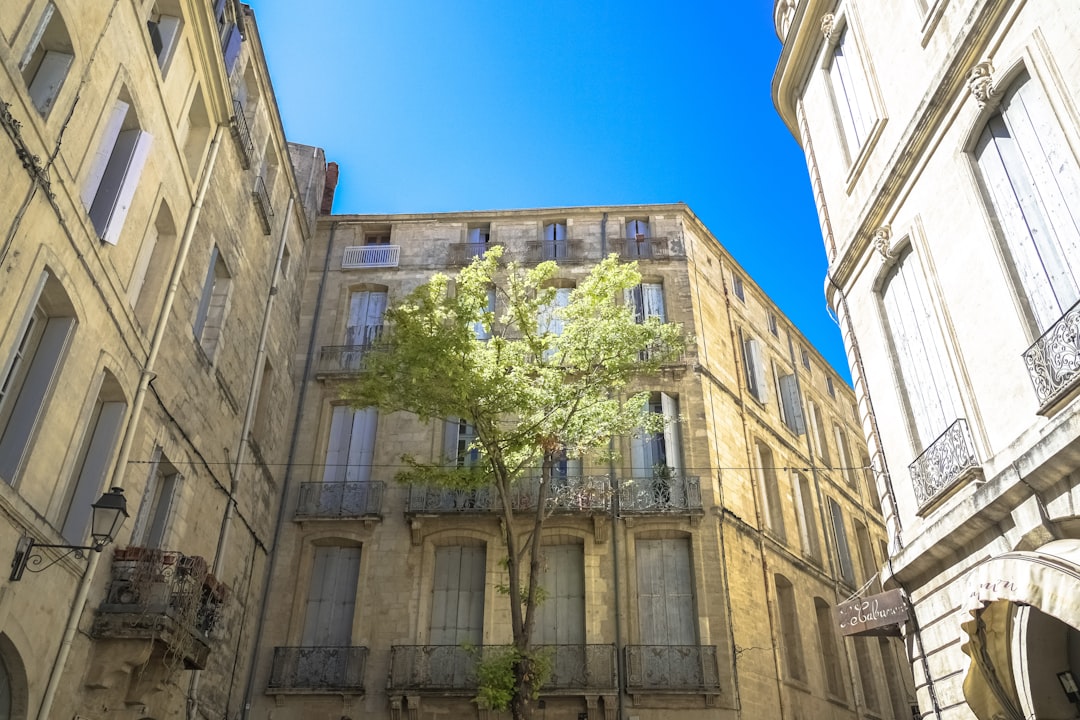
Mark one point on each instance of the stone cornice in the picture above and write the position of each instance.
(804, 37)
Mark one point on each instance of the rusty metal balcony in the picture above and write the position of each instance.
(338, 670)
(1053, 362)
(672, 668)
(164, 596)
(241, 133)
(341, 360)
(261, 195)
(673, 494)
(561, 251)
(451, 669)
(948, 460)
(340, 499)
(652, 248)
(463, 253)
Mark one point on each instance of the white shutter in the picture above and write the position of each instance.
(169, 31)
(361, 451)
(755, 370)
(208, 292)
(560, 619)
(555, 231)
(118, 184)
(476, 236)
(104, 150)
(374, 320)
(843, 550)
(797, 483)
(331, 602)
(48, 79)
(337, 449)
(104, 429)
(672, 433)
(653, 300)
(792, 403)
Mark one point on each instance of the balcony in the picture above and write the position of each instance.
(588, 494)
(164, 596)
(1053, 362)
(561, 251)
(341, 360)
(463, 253)
(674, 494)
(340, 499)
(358, 257)
(949, 459)
(241, 133)
(451, 669)
(261, 196)
(654, 248)
(672, 668)
(338, 670)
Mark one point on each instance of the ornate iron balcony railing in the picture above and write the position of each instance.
(162, 595)
(261, 194)
(1053, 362)
(342, 359)
(463, 253)
(660, 494)
(948, 459)
(242, 134)
(432, 499)
(653, 248)
(328, 669)
(568, 493)
(340, 499)
(561, 251)
(672, 668)
(581, 667)
(370, 256)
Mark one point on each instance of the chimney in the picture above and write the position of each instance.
(329, 186)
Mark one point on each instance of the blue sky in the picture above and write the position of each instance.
(439, 106)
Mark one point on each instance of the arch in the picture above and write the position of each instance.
(13, 682)
(48, 59)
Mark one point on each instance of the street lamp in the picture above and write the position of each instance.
(110, 511)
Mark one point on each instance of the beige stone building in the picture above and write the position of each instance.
(942, 143)
(153, 244)
(704, 592)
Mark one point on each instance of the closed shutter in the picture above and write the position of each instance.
(560, 618)
(665, 594)
(361, 451)
(554, 231)
(843, 550)
(637, 228)
(104, 431)
(457, 606)
(337, 448)
(331, 602)
(792, 403)
(366, 311)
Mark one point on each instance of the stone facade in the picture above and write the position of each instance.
(154, 245)
(941, 141)
(748, 514)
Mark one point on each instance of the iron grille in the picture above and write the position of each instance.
(672, 667)
(337, 669)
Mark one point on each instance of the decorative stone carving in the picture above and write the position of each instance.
(783, 13)
(828, 21)
(980, 83)
(882, 241)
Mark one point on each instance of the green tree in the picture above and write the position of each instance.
(530, 393)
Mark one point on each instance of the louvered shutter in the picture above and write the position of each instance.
(672, 433)
(665, 594)
(789, 396)
(560, 619)
(361, 450)
(331, 602)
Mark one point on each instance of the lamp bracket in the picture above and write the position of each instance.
(28, 556)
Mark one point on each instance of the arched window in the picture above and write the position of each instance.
(789, 629)
(830, 648)
(1033, 183)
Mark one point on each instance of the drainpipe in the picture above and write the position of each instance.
(287, 482)
(132, 425)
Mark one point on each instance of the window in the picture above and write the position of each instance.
(163, 25)
(152, 524)
(228, 33)
(331, 599)
(637, 239)
(658, 454)
(457, 611)
(807, 518)
(871, 483)
(482, 328)
(377, 238)
(850, 92)
(198, 133)
(152, 266)
(790, 642)
(843, 455)
(867, 673)
(459, 438)
(551, 320)
(351, 448)
(213, 306)
(478, 240)
(637, 229)
(866, 554)
(790, 401)
(365, 321)
(805, 356)
(560, 618)
(665, 594)
(554, 247)
(818, 426)
(843, 552)
(773, 327)
(95, 458)
(770, 490)
(737, 287)
(924, 381)
(830, 387)
(1033, 182)
(31, 371)
(47, 59)
(647, 301)
(755, 367)
(114, 170)
(830, 649)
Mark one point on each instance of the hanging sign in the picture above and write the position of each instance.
(880, 614)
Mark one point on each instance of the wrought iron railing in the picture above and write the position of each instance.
(370, 256)
(561, 251)
(949, 458)
(673, 493)
(672, 667)
(342, 359)
(432, 499)
(332, 669)
(568, 493)
(446, 668)
(1053, 362)
(340, 499)
(242, 134)
(653, 248)
(261, 195)
(463, 253)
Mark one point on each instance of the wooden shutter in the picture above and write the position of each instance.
(457, 605)
(672, 433)
(755, 369)
(104, 429)
(843, 550)
(635, 300)
(637, 227)
(792, 403)
(361, 452)
(366, 310)
(165, 482)
(337, 448)
(665, 592)
(331, 602)
(560, 618)
(555, 231)
(109, 134)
